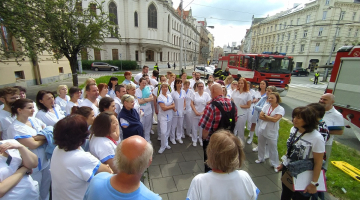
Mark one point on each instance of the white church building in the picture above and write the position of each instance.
(150, 33)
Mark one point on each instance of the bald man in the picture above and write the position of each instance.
(133, 155)
(333, 119)
(220, 113)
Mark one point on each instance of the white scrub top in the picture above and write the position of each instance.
(179, 103)
(118, 105)
(69, 107)
(27, 188)
(165, 115)
(241, 99)
(146, 107)
(102, 148)
(268, 129)
(189, 95)
(138, 76)
(62, 103)
(71, 172)
(50, 118)
(88, 103)
(111, 93)
(5, 121)
(200, 102)
(19, 130)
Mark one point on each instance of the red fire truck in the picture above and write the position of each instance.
(274, 67)
(345, 85)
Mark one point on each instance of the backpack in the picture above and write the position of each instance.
(227, 120)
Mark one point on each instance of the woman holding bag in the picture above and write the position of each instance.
(305, 143)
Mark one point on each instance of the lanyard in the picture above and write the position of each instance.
(112, 140)
(32, 124)
(293, 140)
(269, 113)
(57, 116)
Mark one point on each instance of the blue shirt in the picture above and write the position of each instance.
(100, 188)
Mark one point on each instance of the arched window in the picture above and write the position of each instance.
(152, 16)
(113, 13)
(136, 19)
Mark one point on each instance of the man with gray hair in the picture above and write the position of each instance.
(333, 119)
(133, 155)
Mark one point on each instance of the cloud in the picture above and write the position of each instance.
(231, 18)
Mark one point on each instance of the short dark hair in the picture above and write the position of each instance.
(102, 124)
(320, 109)
(70, 132)
(20, 103)
(266, 84)
(21, 89)
(40, 95)
(142, 79)
(145, 75)
(73, 90)
(8, 90)
(104, 103)
(176, 82)
(87, 88)
(155, 73)
(118, 87)
(83, 111)
(308, 115)
(145, 67)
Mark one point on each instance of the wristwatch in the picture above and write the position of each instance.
(315, 183)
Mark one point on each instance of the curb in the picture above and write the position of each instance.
(319, 82)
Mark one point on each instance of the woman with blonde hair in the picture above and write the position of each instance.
(242, 99)
(62, 99)
(87, 82)
(131, 89)
(224, 155)
(229, 79)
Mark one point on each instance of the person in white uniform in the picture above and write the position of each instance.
(145, 70)
(167, 107)
(150, 85)
(104, 138)
(89, 115)
(255, 98)
(91, 100)
(156, 93)
(119, 92)
(74, 93)
(145, 98)
(23, 96)
(62, 99)
(87, 82)
(16, 162)
(113, 82)
(49, 112)
(224, 155)
(131, 89)
(209, 84)
(188, 110)
(198, 102)
(25, 130)
(233, 88)
(72, 168)
(334, 120)
(242, 99)
(192, 80)
(179, 96)
(8, 96)
(269, 120)
(103, 90)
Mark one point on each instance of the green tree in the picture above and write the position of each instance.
(62, 27)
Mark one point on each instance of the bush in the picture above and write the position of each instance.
(126, 64)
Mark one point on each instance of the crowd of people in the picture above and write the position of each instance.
(94, 143)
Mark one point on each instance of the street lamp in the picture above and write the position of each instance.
(333, 44)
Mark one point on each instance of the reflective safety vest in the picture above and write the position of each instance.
(317, 74)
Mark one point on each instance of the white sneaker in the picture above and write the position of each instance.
(201, 143)
(183, 136)
(152, 132)
(255, 149)
(249, 141)
(161, 150)
(194, 144)
(168, 147)
(173, 141)
(180, 141)
(259, 161)
(154, 122)
(266, 156)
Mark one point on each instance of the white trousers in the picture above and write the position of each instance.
(177, 123)
(271, 147)
(196, 129)
(147, 122)
(240, 127)
(249, 117)
(165, 132)
(43, 178)
(188, 122)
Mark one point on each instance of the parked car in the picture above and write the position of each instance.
(299, 72)
(96, 66)
(204, 71)
(212, 67)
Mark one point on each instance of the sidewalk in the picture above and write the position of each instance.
(171, 172)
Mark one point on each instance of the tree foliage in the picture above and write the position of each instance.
(61, 27)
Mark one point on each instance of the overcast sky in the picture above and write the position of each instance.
(231, 18)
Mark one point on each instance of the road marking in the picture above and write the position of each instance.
(308, 86)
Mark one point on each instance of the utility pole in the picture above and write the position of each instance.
(181, 37)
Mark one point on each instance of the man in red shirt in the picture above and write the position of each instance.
(220, 113)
